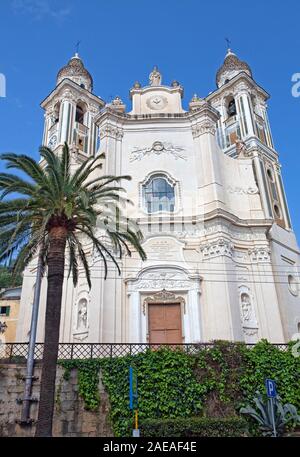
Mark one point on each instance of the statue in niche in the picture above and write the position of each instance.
(246, 307)
(82, 314)
(155, 77)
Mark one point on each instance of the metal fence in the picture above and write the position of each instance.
(19, 351)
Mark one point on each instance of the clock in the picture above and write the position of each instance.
(157, 102)
(52, 141)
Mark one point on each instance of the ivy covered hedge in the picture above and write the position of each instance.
(194, 427)
(167, 387)
(173, 385)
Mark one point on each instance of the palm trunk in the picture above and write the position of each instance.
(56, 265)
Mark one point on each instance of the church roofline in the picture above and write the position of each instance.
(241, 75)
(107, 112)
(145, 89)
(67, 81)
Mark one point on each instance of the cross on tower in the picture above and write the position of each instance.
(77, 46)
(228, 43)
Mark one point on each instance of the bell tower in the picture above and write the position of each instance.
(244, 126)
(70, 110)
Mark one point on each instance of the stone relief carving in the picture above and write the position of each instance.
(163, 297)
(204, 127)
(69, 95)
(217, 248)
(94, 109)
(157, 148)
(261, 254)
(241, 256)
(161, 280)
(111, 131)
(252, 333)
(250, 190)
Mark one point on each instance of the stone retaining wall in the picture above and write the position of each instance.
(70, 418)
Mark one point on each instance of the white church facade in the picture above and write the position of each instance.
(222, 259)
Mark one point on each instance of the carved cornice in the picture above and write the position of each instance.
(109, 130)
(217, 248)
(259, 255)
(203, 128)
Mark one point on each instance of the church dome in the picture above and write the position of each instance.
(76, 71)
(231, 67)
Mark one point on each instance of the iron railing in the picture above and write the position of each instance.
(17, 351)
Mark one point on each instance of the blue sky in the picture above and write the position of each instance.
(121, 40)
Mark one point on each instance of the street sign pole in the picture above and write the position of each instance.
(273, 416)
(272, 393)
(133, 400)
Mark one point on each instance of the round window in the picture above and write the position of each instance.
(293, 285)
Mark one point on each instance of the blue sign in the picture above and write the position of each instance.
(271, 388)
(133, 389)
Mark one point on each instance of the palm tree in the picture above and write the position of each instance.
(54, 212)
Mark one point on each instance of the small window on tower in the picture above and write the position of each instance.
(231, 109)
(79, 114)
(277, 212)
(56, 112)
(270, 174)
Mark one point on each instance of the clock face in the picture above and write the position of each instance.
(157, 102)
(52, 141)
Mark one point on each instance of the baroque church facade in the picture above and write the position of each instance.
(222, 259)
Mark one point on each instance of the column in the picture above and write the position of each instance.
(134, 317)
(194, 311)
(263, 190)
(245, 115)
(66, 123)
(267, 128)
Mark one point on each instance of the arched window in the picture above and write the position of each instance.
(56, 113)
(231, 108)
(158, 194)
(79, 114)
